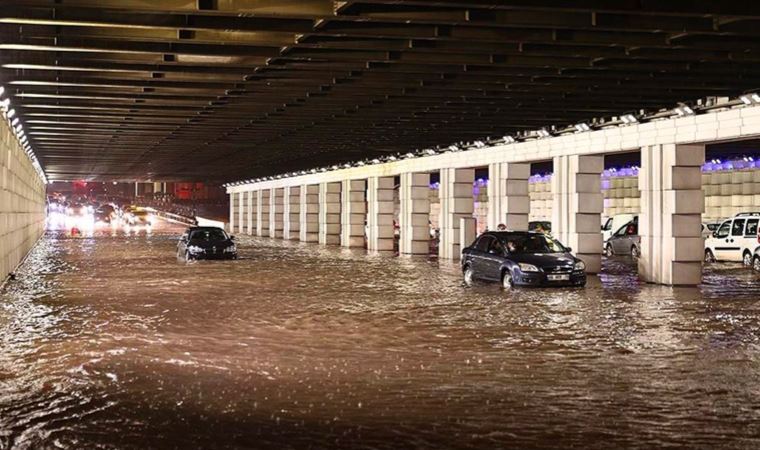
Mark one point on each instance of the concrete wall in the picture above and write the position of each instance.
(22, 202)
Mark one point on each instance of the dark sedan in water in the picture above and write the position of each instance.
(521, 259)
(206, 243)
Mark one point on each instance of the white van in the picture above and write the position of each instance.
(614, 223)
(736, 239)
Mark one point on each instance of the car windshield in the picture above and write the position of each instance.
(208, 235)
(527, 244)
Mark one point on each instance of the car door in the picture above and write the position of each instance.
(720, 242)
(749, 241)
(479, 250)
(735, 239)
(493, 259)
(618, 242)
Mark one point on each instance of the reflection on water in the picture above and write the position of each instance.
(108, 341)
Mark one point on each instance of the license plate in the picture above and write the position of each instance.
(558, 277)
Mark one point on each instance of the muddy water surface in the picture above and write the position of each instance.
(109, 342)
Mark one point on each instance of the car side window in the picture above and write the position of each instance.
(496, 247)
(723, 230)
(751, 227)
(622, 230)
(737, 229)
(483, 243)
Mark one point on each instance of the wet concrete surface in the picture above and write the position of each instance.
(109, 341)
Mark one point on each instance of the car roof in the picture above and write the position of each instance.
(204, 228)
(505, 234)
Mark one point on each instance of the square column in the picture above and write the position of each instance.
(672, 203)
(262, 213)
(249, 212)
(353, 213)
(456, 203)
(291, 217)
(329, 213)
(414, 216)
(243, 215)
(275, 212)
(508, 199)
(253, 213)
(233, 210)
(380, 209)
(309, 213)
(578, 205)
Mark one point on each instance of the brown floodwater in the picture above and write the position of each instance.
(109, 341)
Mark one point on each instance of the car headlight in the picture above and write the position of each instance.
(230, 249)
(194, 249)
(528, 267)
(580, 265)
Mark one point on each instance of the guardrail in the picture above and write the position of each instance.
(171, 217)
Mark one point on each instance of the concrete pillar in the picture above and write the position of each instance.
(329, 213)
(353, 214)
(380, 209)
(672, 203)
(414, 217)
(243, 211)
(251, 213)
(233, 210)
(309, 213)
(578, 204)
(262, 213)
(291, 217)
(457, 203)
(508, 200)
(467, 232)
(275, 212)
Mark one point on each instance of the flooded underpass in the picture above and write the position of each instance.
(110, 342)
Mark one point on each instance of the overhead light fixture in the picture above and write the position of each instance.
(11, 113)
(684, 110)
(543, 133)
(628, 118)
(479, 144)
(750, 99)
(581, 127)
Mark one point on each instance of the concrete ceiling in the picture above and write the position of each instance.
(219, 90)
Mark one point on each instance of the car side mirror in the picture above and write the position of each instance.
(569, 249)
(232, 238)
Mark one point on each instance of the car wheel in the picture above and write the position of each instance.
(709, 257)
(506, 280)
(469, 275)
(635, 252)
(608, 251)
(756, 263)
(747, 259)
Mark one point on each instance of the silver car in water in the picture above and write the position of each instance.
(625, 241)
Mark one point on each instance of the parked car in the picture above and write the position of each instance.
(625, 241)
(206, 243)
(736, 239)
(517, 258)
(709, 228)
(613, 224)
(540, 226)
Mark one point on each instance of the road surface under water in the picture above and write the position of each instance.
(111, 342)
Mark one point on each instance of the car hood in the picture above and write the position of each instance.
(545, 259)
(209, 244)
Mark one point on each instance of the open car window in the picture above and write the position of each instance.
(533, 244)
